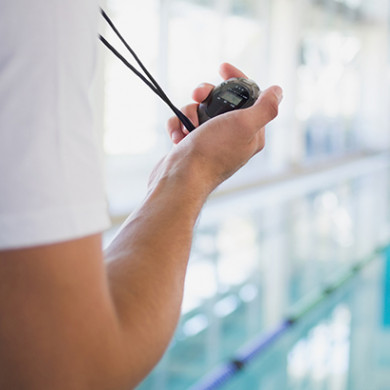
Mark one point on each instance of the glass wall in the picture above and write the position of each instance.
(330, 56)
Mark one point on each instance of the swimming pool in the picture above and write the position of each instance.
(257, 257)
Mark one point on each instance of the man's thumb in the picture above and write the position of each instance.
(266, 107)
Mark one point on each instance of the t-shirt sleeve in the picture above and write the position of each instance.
(51, 177)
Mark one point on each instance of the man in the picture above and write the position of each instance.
(68, 321)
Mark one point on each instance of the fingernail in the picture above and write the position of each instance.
(279, 94)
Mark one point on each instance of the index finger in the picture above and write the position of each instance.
(228, 71)
(200, 93)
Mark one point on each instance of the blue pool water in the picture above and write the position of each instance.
(257, 256)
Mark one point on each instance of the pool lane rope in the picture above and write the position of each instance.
(226, 371)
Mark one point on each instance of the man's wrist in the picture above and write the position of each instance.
(185, 175)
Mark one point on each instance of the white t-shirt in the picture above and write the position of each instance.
(51, 185)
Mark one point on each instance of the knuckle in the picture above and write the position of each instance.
(260, 141)
(261, 145)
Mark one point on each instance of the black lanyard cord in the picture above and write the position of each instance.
(151, 83)
(127, 63)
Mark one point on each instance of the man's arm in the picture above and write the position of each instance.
(58, 324)
(69, 323)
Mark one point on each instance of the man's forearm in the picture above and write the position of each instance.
(147, 264)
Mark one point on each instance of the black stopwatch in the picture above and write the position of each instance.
(230, 95)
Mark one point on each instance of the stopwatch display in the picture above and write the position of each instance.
(230, 95)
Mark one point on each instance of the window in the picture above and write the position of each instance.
(327, 54)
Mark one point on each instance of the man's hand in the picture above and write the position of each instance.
(175, 128)
(225, 143)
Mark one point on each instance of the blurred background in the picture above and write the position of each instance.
(305, 213)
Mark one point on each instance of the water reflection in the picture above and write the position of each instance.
(250, 265)
(324, 352)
